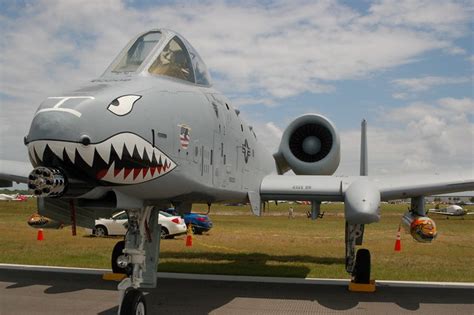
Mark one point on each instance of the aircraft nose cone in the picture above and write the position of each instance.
(55, 126)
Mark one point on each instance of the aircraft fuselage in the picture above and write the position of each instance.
(179, 141)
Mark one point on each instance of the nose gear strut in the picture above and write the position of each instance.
(142, 247)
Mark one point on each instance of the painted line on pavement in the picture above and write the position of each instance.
(206, 277)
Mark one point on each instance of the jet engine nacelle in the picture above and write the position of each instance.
(422, 229)
(310, 145)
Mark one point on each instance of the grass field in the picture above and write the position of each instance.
(272, 245)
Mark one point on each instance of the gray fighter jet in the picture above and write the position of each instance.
(152, 132)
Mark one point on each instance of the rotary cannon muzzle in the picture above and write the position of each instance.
(47, 182)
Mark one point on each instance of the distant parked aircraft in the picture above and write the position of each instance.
(16, 197)
(452, 210)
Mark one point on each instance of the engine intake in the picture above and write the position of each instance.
(310, 145)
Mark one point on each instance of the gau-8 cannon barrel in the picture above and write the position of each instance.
(47, 182)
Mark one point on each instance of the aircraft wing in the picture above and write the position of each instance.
(333, 188)
(440, 212)
(13, 171)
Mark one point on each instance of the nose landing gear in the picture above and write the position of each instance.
(137, 257)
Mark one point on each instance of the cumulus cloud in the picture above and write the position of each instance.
(437, 136)
(415, 138)
(427, 82)
(446, 17)
(271, 51)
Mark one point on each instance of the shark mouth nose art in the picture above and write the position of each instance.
(125, 158)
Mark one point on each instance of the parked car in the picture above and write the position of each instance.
(117, 225)
(199, 222)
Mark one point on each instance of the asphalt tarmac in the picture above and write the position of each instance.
(70, 291)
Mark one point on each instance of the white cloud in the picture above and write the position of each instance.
(400, 96)
(415, 138)
(463, 105)
(454, 50)
(427, 82)
(282, 49)
(272, 51)
(425, 137)
(447, 17)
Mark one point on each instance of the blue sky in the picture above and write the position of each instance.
(406, 66)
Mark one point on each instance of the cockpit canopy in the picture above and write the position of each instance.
(161, 52)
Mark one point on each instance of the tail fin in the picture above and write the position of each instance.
(364, 170)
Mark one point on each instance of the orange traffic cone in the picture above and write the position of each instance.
(40, 236)
(189, 237)
(398, 243)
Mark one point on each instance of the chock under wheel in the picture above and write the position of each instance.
(362, 287)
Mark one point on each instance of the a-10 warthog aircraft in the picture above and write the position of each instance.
(152, 132)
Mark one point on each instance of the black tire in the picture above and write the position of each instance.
(361, 273)
(100, 231)
(133, 303)
(116, 252)
(164, 233)
(196, 230)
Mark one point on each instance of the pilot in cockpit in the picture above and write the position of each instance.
(173, 61)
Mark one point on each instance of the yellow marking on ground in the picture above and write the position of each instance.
(362, 287)
(110, 276)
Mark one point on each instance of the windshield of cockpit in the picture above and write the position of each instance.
(135, 55)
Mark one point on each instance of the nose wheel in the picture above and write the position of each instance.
(137, 257)
(133, 303)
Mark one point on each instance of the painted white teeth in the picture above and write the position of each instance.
(118, 146)
(149, 151)
(110, 173)
(71, 151)
(39, 148)
(140, 147)
(31, 152)
(118, 177)
(57, 149)
(87, 153)
(104, 149)
(129, 144)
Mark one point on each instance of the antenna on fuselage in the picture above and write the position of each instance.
(364, 168)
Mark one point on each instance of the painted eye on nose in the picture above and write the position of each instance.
(123, 105)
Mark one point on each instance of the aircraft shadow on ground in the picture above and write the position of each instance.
(255, 264)
(203, 296)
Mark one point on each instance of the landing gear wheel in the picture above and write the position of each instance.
(361, 273)
(133, 303)
(117, 251)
